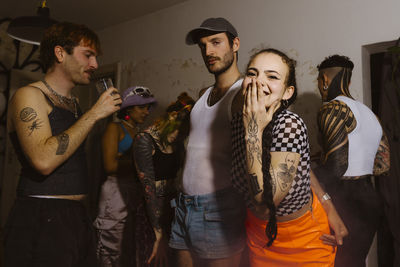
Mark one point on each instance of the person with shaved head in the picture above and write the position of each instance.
(355, 148)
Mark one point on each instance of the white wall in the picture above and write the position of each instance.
(153, 53)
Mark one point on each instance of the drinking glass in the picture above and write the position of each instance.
(103, 84)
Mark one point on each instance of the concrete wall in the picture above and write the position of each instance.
(153, 53)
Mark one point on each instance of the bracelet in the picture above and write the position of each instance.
(325, 197)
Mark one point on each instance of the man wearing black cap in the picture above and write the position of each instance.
(209, 219)
(355, 148)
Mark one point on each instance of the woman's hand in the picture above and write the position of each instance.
(339, 230)
(160, 251)
(255, 115)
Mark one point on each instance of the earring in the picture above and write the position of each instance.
(285, 103)
(127, 117)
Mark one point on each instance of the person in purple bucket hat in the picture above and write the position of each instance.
(115, 218)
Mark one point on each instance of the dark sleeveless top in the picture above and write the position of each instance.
(166, 165)
(70, 178)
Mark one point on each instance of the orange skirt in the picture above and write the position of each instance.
(297, 242)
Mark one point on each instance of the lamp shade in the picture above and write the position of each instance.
(30, 29)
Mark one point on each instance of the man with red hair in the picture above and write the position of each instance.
(48, 225)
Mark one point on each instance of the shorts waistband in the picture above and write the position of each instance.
(58, 203)
(198, 200)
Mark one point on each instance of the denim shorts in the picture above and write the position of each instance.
(211, 226)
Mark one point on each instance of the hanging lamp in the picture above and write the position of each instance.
(30, 29)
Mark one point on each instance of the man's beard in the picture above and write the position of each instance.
(82, 81)
(227, 63)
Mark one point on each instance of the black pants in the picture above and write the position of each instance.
(49, 232)
(360, 207)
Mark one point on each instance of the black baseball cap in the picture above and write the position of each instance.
(214, 25)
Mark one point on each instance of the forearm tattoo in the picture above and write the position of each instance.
(152, 202)
(286, 172)
(382, 159)
(255, 186)
(63, 142)
(254, 150)
(143, 150)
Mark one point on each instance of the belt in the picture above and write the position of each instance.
(356, 177)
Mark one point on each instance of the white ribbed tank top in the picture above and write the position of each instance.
(208, 155)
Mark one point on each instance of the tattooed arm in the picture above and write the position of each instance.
(382, 158)
(255, 119)
(335, 122)
(283, 170)
(143, 151)
(283, 166)
(28, 116)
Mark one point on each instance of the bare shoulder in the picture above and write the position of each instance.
(111, 135)
(112, 126)
(30, 95)
(26, 92)
(26, 100)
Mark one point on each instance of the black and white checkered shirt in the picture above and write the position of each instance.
(289, 134)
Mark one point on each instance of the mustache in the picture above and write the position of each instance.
(91, 73)
(212, 58)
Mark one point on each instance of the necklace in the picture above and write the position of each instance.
(63, 99)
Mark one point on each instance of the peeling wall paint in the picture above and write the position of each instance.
(153, 52)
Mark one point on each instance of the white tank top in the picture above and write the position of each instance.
(363, 140)
(208, 155)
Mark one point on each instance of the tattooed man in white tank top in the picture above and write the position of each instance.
(354, 149)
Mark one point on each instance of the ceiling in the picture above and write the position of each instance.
(96, 14)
